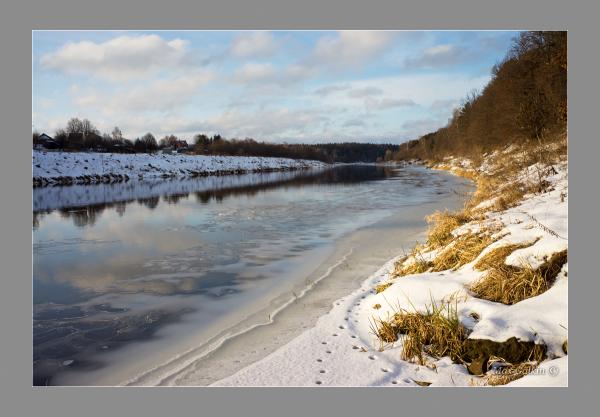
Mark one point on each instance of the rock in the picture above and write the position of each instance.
(479, 366)
(511, 350)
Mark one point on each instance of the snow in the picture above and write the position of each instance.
(342, 350)
(81, 167)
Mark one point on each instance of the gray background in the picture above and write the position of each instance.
(18, 398)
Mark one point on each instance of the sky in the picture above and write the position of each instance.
(274, 86)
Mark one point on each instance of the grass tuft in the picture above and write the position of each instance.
(509, 284)
(437, 332)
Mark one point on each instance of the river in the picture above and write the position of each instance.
(183, 282)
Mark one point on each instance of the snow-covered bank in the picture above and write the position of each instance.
(51, 168)
(344, 350)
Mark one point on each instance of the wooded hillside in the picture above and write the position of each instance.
(526, 100)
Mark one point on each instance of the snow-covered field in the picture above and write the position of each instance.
(84, 168)
(342, 349)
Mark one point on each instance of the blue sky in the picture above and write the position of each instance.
(278, 86)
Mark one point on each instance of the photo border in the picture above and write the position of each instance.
(19, 398)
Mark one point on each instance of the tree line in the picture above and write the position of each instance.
(82, 135)
(526, 100)
(325, 152)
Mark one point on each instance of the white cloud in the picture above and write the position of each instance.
(437, 56)
(351, 48)
(330, 89)
(363, 92)
(266, 73)
(354, 123)
(268, 123)
(391, 103)
(253, 45)
(118, 59)
(161, 95)
(253, 72)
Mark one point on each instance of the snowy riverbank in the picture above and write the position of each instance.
(50, 168)
(343, 348)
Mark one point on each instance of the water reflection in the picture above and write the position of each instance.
(72, 203)
(115, 263)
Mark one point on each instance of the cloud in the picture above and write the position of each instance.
(365, 92)
(351, 48)
(254, 45)
(118, 59)
(161, 95)
(268, 124)
(266, 73)
(391, 103)
(437, 56)
(354, 123)
(330, 89)
(254, 72)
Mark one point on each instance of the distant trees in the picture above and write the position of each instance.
(328, 152)
(146, 144)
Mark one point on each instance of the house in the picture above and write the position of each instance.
(45, 142)
(180, 144)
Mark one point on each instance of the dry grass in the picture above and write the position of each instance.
(437, 332)
(382, 287)
(508, 284)
(508, 197)
(463, 250)
(419, 266)
(441, 225)
(497, 256)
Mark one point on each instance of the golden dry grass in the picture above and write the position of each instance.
(463, 250)
(441, 225)
(382, 287)
(419, 266)
(509, 284)
(497, 256)
(437, 332)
